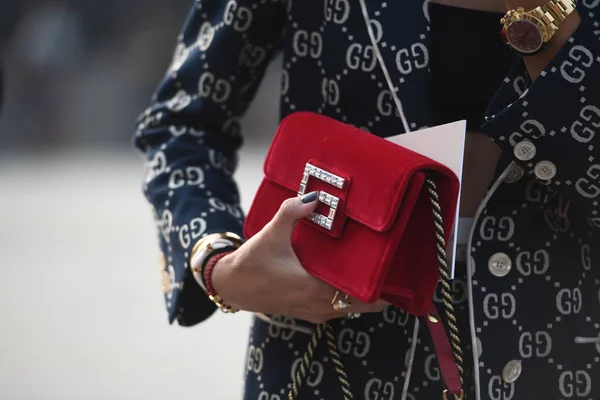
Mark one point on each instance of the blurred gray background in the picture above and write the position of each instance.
(80, 298)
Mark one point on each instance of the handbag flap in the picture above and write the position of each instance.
(374, 189)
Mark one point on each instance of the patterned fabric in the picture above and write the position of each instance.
(533, 281)
(375, 350)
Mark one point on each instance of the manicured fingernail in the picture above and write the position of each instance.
(309, 197)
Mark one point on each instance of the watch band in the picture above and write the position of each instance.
(555, 12)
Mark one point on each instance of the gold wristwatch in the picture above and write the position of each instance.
(528, 32)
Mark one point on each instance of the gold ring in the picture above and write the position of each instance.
(353, 315)
(339, 304)
(335, 296)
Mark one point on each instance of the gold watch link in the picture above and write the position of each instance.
(554, 13)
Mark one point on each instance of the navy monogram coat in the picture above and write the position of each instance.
(529, 291)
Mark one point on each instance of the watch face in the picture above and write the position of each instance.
(524, 36)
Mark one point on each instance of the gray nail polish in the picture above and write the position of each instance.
(309, 197)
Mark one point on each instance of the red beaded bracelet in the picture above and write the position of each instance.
(209, 269)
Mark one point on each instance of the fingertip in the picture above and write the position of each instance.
(309, 197)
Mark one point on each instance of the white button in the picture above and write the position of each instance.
(545, 170)
(512, 371)
(514, 174)
(499, 264)
(525, 150)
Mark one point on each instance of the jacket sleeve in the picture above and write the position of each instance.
(190, 135)
(559, 114)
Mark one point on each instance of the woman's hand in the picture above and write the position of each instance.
(264, 275)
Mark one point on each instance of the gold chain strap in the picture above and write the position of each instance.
(339, 367)
(444, 273)
(300, 376)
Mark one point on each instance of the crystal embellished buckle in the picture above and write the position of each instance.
(324, 197)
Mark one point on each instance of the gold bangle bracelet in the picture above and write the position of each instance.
(206, 240)
(202, 249)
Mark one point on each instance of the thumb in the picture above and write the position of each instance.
(291, 211)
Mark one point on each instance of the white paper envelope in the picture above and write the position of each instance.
(446, 145)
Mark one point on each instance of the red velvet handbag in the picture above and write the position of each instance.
(373, 234)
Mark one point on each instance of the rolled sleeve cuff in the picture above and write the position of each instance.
(186, 301)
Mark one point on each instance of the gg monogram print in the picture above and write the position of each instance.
(527, 292)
